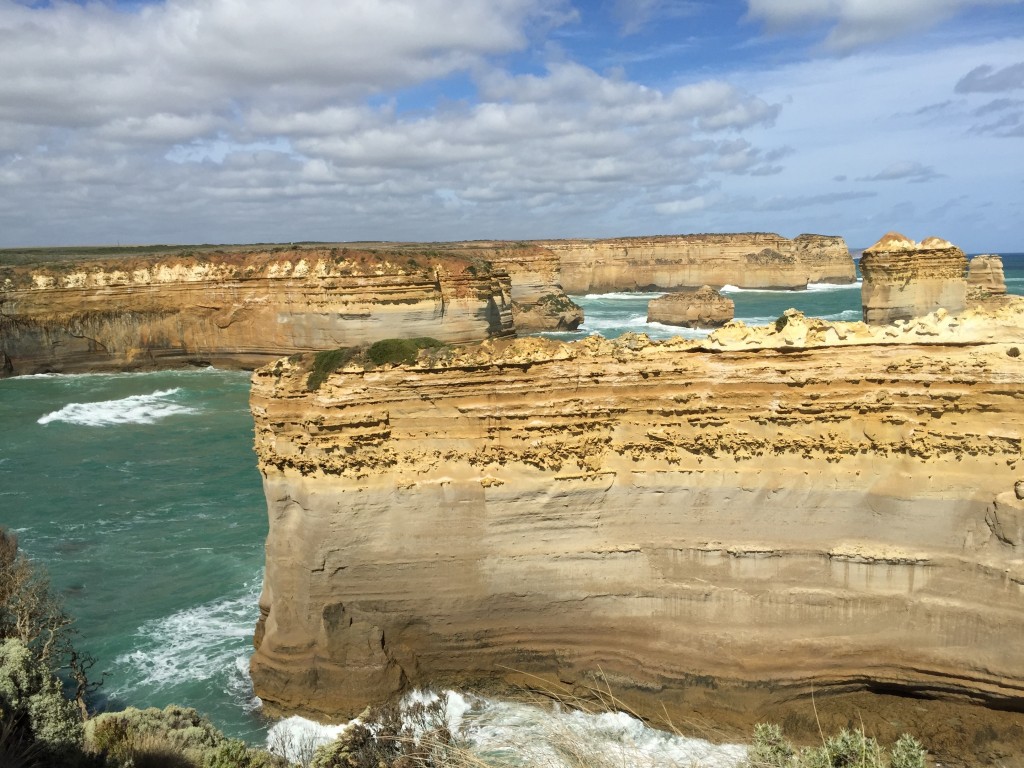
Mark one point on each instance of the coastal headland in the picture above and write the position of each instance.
(714, 532)
(81, 310)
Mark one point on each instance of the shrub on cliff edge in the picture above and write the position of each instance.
(384, 352)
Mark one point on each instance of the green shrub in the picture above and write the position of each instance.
(327, 362)
(399, 351)
(848, 749)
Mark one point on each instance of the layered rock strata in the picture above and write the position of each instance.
(711, 531)
(985, 273)
(703, 308)
(238, 309)
(749, 260)
(904, 279)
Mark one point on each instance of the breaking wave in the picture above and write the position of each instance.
(523, 734)
(207, 641)
(136, 409)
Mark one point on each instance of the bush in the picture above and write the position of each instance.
(848, 749)
(400, 351)
(327, 362)
(384, 352)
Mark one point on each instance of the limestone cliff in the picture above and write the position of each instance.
(239, 309)
(905, 279)
(752, 260)
(703, 308)
(712, 531)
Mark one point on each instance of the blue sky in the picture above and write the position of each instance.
(191, 121)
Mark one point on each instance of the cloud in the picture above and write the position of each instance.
(854, 24)
(634, 15)
(904, 171)
(985, 79)
(799, 202)
(78, 65)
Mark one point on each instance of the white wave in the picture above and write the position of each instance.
(811, 288)
(296, 738)
(196, 644)
(847, 315)
(136, 409)
(532, 735)
(598, 323)
(827, 287)
(623, 296)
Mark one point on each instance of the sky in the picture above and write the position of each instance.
(236, 121)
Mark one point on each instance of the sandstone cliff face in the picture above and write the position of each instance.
(757, 260)
(985, 273)
(905, 279)
(238, 310)
(706, 529)
(703, 308)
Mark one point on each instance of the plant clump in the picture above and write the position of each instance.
(847, 749)
(384, 352)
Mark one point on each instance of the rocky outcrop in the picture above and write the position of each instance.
(703, 308)
(985, 273)
(903, 279)
(752, 260)
(239, 309)
(712, 531)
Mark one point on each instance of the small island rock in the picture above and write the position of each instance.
(703, 308)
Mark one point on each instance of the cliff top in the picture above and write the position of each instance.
(793, 331)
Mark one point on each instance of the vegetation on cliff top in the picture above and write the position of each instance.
(384, 352)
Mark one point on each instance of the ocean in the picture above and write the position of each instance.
(140, 494)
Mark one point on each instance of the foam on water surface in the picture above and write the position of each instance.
(509, 733)
(135, 409)
(196, 644)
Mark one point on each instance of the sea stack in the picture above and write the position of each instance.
(904, 279)
(703, 308)
(985, 273)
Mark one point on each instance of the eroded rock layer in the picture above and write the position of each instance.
(711, 529)
(905, 279)
(239, 309)
(985, 273)
(749, 260)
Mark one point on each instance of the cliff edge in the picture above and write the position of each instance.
(708, 530)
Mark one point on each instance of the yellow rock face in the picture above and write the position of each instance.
(714, 527)
(239, 309)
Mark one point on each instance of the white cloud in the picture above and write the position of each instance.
(853, 24)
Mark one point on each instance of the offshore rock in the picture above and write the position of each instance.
(238, 308)
(712, 530)
(703, 308)
(671, 262)
(903, 279)
(985, 273)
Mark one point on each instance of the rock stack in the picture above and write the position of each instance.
(985, 273)
(703, 308)
(904, 279)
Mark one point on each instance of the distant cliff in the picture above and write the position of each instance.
(711, 531)
(751, 260)
(239, 308)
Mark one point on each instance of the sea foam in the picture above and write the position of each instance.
(530, 735)
(196, 644)
(136, 409)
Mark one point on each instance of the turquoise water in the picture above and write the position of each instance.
(140, 494)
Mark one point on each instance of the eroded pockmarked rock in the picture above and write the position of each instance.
(713, 528)
(903, 279)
